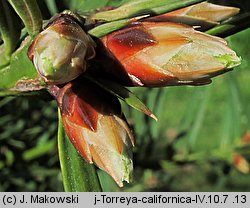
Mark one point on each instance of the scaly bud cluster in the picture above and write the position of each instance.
(61, 51)
(157, 54)
(147, 52)
(95, 125)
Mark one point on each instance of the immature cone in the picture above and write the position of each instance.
(60, 52)
(95, 125)
(163, 53)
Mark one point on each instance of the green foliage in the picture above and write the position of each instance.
(141, 7)
(10, 32)
(28, 152)
(125, 95)
(30, 14)
(20, 68)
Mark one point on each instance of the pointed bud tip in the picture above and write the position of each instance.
(229, 60)
(154, 117)
(123, 171)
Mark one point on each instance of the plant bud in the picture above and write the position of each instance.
(203, 15)
(61, 51)
(95, 125)
(156, 54)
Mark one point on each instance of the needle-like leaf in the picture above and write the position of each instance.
(124, 94)
(107, 28)
(30, 14)
(142, 7)
(20, 73)
(10, 32)
(232, 26)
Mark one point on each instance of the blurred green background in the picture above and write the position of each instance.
(201, 141)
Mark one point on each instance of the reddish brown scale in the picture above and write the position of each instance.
(145, 72)
(79, 103)
(78, 108)
(80, 112)
(80, 144)
(129, 41)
